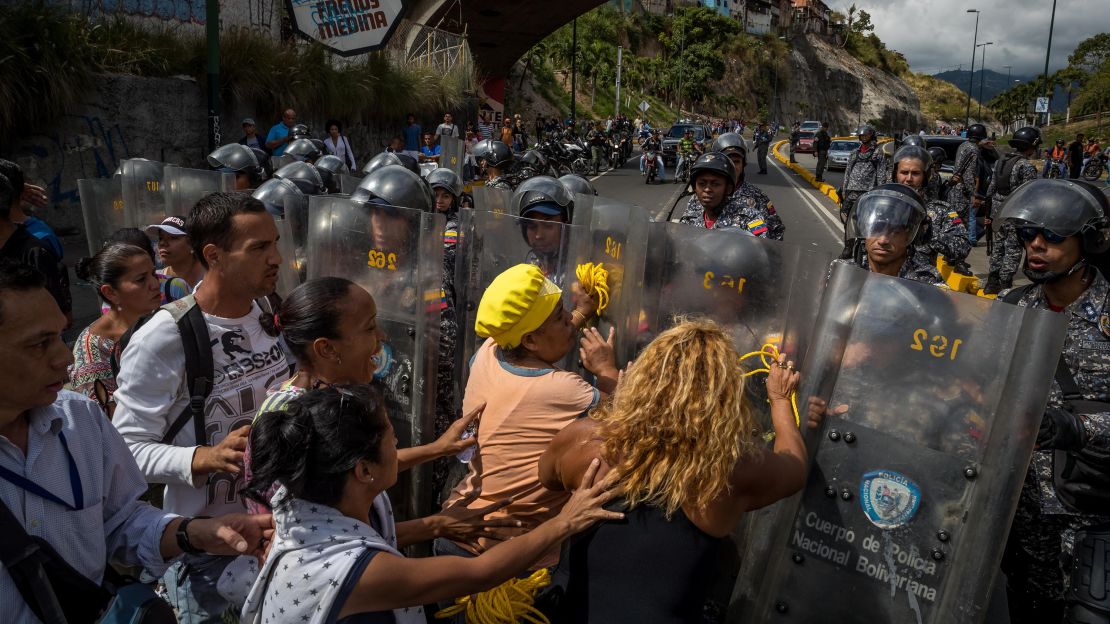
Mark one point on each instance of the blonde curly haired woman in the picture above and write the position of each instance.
(681, 436)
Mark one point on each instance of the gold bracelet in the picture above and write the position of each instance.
(576, 314)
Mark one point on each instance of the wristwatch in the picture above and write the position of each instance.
(183, 536)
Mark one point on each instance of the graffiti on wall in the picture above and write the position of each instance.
(186, 11)
(84, 147)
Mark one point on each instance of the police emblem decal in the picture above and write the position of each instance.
(1104, 324)
(889, 499)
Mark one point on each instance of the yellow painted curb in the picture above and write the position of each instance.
(959, 282)
(826, 189)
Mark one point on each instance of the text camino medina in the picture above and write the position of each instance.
(877, 570)
(338, 18)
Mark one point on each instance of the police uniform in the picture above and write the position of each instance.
(762, 141)
(967, 167)
(1006, 253)
(500, 182)
(933, 186)
(445, 412)
(1043, 532)
(748, 208)
(915, 268)
(948, 235)
(864, 171)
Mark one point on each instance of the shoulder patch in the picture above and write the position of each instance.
(757, 227)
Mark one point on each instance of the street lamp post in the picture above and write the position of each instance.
(1047, 90)
(1009, 85)
(983, 75)
(971, 80)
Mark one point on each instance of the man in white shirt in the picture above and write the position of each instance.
(65, 474)
(448, 127)
(236, 240)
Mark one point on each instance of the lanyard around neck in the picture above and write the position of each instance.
(26, 484)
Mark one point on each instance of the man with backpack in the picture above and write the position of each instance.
(192, 376)
(70, 489)
(1055, 560)
(1010, 172)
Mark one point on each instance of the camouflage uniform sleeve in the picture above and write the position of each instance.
(692, 214)
(966, 169)
(950, 238)
(1025, 173)
(776, 230)
(849, 168)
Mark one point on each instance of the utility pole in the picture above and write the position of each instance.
(983, 75)
(971, 79)
(212, 30)
(1009, 85)
(573, 72)
(1047, 90)
(617, 109)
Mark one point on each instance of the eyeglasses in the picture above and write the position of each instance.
(1029, 234)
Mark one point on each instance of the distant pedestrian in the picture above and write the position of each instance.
(448, 127)
(762, 139)
(795, 134)
(411, 133)
(280, 135)
(485, 127)
(338, 145)
(821, 143)
(1075, 156)
(250, 136)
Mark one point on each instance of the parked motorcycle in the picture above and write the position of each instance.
(1095, 166)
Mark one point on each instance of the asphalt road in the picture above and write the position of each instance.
(810, 217)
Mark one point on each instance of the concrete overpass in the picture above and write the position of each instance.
(499, 31)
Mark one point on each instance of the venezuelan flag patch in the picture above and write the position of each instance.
(450, 237)
(757, 227)
(955, 216)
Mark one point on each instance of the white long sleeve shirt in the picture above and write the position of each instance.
(343, 150)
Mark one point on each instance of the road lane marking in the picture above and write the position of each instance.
(836, 229)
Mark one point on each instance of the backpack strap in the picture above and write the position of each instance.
(199, 366)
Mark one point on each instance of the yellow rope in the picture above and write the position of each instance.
(508, 603)
(595, 279)
(768, 354)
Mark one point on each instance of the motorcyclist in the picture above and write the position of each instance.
(653, 144)
(1055, 561)
(687, 149)
(750, 205)
(1056, 158)
(890, 221)
(865, 170)
(498, 160)
(946, 234)
(1010, 173)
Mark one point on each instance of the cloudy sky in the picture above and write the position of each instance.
(936, 35)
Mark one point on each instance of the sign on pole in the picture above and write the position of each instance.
(644, 106)
(347, 28)
(1042, 105)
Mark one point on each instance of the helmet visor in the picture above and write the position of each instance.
(881, 213)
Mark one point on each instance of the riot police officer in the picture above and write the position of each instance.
(1009, 174)
(544, 201)
(865, 170)
(240, 160)
(934, 186)
(499, 159)
(577, 185)
(946, 234)
(755, 208)
(386, 159)
(890, 221)
(964, 173)
(1064, 508)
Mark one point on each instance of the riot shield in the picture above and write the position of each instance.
(348, 183)
(618, 241)
(491, 199)
(277, 162)
(905, 512)
(183, 187)
(289, 274)
(452, 154)
(102, 209)
(491, 242)
(396, 254)
(144, 200)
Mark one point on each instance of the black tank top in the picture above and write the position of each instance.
(644, 568)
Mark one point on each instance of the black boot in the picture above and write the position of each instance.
(963, 268)
(994, 285)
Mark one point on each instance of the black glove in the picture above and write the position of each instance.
(1061, 429)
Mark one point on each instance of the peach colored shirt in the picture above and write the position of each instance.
(525, 408)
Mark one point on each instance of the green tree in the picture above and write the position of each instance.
(1091, 54)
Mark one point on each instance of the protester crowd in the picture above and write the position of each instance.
(275, 433)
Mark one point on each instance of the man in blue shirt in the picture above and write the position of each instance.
(431, 150)
(35, 226)
(412, 132)
(279, 136)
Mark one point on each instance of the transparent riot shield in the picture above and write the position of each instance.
(102, 209)
(452, 154)
(396, 254)
(911, 490)
(144, 200)
(491, 242)
(289, 274)
(618, 241)
(491, 199)
(348, 183)
(183, 187)
(277, 162)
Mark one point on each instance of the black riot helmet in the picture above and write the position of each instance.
(915, 139)
(938, 155)
(865, 129)
(305, 176)
(330, 168)
(445, 179)
(299, 131)
(911, 152)
(976, 132)
(576, 184)
(238, 159)
(275, 193)
(1026, 138)
(534, 160)
(303, 150)
(730, 142)
(1064, 208)
(717, 163)
(386, 159)
(890, 208)
(495, 153)
(395, 186)
(543, 195)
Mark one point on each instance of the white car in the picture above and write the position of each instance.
(810, 126)
(839, 151)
